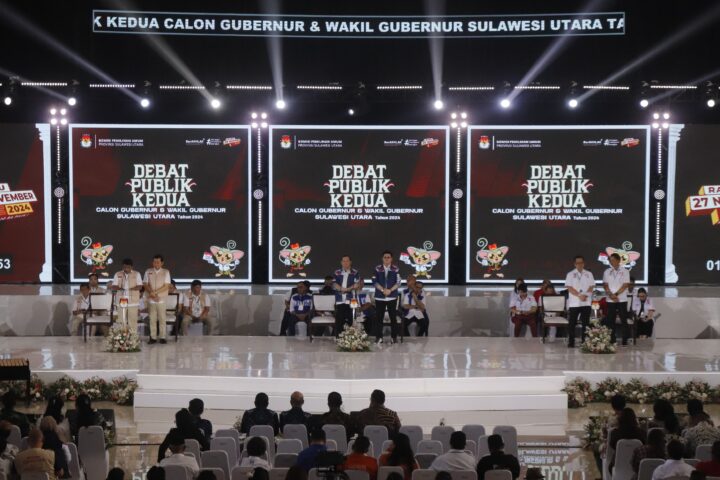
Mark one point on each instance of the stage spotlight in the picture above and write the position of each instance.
(711, 103)
(438, 104)
(53, 121)
(280, 104)
(215, 103)
(144, 102)
(63, 121)
(656, 116)
(53, 111)
(665, 125)
(351, 112)
(253, 115)
(72, 101)
(666, 116)
(454, 124)
(463, 115)
(655, 124)
(453, 115)
(463, 124)
(7, 100)
(263, 115)
(264, 124)
(644, 103)
(572, 103)
(254, 125)
(505, 103)
(63, 111)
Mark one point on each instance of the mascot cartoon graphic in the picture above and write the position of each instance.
(492, 257)
(628, 257)
(226, 259)
(96, 255)
(294, 256)
(421, 259)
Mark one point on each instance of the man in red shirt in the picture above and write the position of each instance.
(359, 460)
(711, 468)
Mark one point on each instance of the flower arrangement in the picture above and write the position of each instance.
(638, 390)
(579, 392)
(699, 390)
(120, 338)
(594, 437)
(120, 390)
(598, 339)
(669, 390)
(353, 339)
(608, 388)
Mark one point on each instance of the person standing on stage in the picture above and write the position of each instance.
(346, 284)
(616, 281)
(128, 283)
(157, 285)
(580, 285)
(387, 283)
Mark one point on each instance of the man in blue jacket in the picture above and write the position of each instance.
(387, 282)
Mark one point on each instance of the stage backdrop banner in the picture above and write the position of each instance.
(358, 190)
(693, 205)
(178, 190)
(538, 195)
(25, 225)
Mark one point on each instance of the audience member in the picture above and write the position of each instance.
(55, 409)
(256, 454)
(618, 404)
(498, 459)
(307, 459)
(196, 407)
(457, 458)
(696, 413)
(700, 430)
(296, 415)
(359, 459)
(52, 440)
(654, 448)
(664, 417)
(441, 476)
(206, 475)
(295, 472)
(260, 473)
(178, 457)
(335, 415)
(84, 416)
(9, 413)
(158, 473)
(627, 429)
(377, 414)
(8, 451)
(697, 475)
(711, 467)
(35, 459)
(400, 454)
(534, 474)
(674, 465)
(395, 476)
(260, 415)
(186, 428)
(116, 473)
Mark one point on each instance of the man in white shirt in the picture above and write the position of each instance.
(674, 465)
(196, 308)
(82, 303)
(95, 284)
(347, 282)
(157, 286)
(457, 458)
(523, 309)
(178, 457)
(616, 281)
(127, 284)
(580, 285)
(413, 306)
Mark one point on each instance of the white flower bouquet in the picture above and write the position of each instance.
(121, 339)
(598, 339)
(353, 339)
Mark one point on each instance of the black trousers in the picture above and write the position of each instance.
(380, 308)
(423, 324)
(343, 316)
(292, 321)
(615, 309)
(284, 324)
(575, 313)
(644, 328)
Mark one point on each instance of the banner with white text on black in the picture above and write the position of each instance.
(181, 191)
(538, 196)
(358, 190)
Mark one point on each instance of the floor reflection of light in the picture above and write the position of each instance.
(47, 358)
(670, 362)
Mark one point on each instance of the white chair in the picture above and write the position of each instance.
(285, 460)
(377, 435)
(414, 433)
(473, 432)
(313, 475)
(289, 445)
(383, 472)
(423, 474)
(357, 475)
(482, 447)
(172, 308)
(425, 459)
(370, 452)
(471, 446)
(509, 435)
(337, 433)
(264, 431)
(464, 475)
(277, 473)
(176, 472)
(74, 468)
(331, 445)
(14, 438)
(92, 453)
(498, 475)
(647, 467)
(553, 313)
(296, 431)
(691, 461)
(386, 446)
(233, 433)
(240, 473)
(703, 453)
(228, 445)
(99, 312)
(623, 458)
(430, 446)
(216, 459)
(322, 303)
(193, 446)
(219, 473)
(442, 435)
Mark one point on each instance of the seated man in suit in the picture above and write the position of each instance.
(296, 415)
